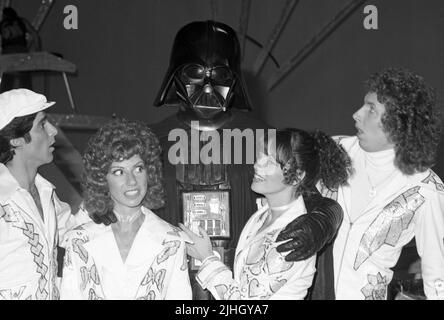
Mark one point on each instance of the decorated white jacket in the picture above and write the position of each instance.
(366, 248)
(28, 244)
(156, 267)
(260, 272)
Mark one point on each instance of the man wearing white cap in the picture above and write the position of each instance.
(32, 218)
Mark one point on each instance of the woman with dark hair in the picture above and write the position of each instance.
(295, 161)
(127, 252)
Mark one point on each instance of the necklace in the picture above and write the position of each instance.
(127, 218)
(374, 187)
(372, 192)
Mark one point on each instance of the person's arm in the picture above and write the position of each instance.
(292, 283)
(429, 233)
(67, 221)
(310, 232)
(272, 274)
(218, 279)
(179, 286)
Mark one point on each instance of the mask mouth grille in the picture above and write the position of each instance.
(207, 89)
(207, 97)
(223, 91)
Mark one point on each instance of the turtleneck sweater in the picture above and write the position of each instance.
(373, 170)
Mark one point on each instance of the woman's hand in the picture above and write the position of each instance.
(201, 247)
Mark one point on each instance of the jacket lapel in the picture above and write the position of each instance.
(250, 229)
(344, 198)
(24, 204)
(103, 249)
(27, 208)
(146, 245)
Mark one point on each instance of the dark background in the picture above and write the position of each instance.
(121, 49)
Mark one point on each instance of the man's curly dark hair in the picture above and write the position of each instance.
(19, 127)
(116, 141)
(412, 119)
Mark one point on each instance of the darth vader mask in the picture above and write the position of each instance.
(204, 75)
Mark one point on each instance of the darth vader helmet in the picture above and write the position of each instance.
(204, 75)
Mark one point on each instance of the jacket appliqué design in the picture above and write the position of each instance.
(262, 258)
(92, 295)
(433, 178)
(156, 278)
(439, 287)
(77, 247)
(153, 282)
(230, 293)
(255, 289)
(12, 295)
(389, 224)
(169, 250)
(175, 231)
(376, 288)
(35, 247)
(88, 275)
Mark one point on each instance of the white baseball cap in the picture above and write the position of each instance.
(20, 102)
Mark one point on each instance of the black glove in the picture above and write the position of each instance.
(310, 232)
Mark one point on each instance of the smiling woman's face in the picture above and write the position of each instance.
(127, 182)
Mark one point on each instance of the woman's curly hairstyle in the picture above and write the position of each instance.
(412, 118)
(120, 140)
(316, 154)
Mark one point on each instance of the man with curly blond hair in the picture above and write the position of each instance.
(393, 195)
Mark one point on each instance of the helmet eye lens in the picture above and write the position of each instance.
(195, 74)
(222, 75)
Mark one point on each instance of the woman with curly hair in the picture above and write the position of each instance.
(126, 252)
(287, 172)
(393, 195)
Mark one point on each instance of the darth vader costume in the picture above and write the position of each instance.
(205, 82)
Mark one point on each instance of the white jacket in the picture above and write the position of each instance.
(156, 267)
(28, 244)
(260, 272)
(366, 249)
